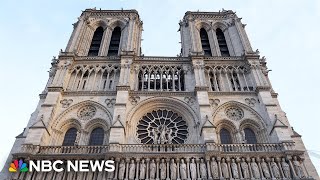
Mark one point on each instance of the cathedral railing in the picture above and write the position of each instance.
(159, 148)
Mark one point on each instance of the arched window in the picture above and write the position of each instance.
(114, 42)
(70, 137)
(96, 137)
(225, 137)
(222, 43)
(96, 42)
(205, 42)
(250, 136)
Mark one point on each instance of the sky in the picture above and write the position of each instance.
(286, 32)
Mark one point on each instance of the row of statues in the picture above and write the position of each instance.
(213, 168)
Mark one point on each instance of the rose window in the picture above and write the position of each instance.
(162, 127)
(234, 113)
(87, 112)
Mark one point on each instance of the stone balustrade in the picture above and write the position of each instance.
(159, 148)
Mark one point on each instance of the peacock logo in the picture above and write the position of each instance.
(18, 164)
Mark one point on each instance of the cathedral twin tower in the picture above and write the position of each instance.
(209, 113)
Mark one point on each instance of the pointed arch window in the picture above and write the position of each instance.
(205, 42)
(222, 43)
(114, 42)
(225, 136)
(70, 137)
(96, 42)
(250, 136)
(96, 137)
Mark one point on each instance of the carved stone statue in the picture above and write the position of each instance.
(285, 168)
(142, 170)
(275, 169)
(122, 168)
(183, 170)
(132, 170)
(193, 169)
(265, 169)
(163, 131)
(169, 136)
(224, 169)
(297, 167)
(255, 169)
(214, 169)
(163, 169)
(152, 169)
(173, 169)
(245, 169)
(154, 136)
(203, 169)
(76, 142)
(234, 169)
(110, 175)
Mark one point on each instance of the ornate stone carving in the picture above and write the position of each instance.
(214, 103)
(224, 169)
(265, 169)
(214, 168)
(245, 169)
(110, 102)
(76, 142)
(163, 170)
(255, 169)
(173, 169)
(162, 127)
(234, 169)
(183, 170)
(250, 101)
(122, 168)
(190, 100)
(134, 100)
(234, 113)
(275, 169)
(142, 170)
(152, 169)
(285, 168)
(203, 169)
(297, 167)
(193, 170)
(87, 112)
(132, 170)
(66, 102)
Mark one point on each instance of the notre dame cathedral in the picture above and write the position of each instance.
(208, 113)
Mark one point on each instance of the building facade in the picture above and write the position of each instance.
(208, 113)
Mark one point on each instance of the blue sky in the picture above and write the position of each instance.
(285, 31)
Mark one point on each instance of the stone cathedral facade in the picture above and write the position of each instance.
(208, 113)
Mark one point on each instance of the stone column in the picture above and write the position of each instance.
(105, 43)
(157, 168)
(137, 168)
(249, 166)
(268, 162)
(278, 160)
(198, 168)
(168, 168)
(178, 168)
(208, 168)
(219, 165)
(116, 168)
(259, 165)
(238, 160)
(147, 169)
(229, 168)
(127, 168)
(291, 167)
(188, 169)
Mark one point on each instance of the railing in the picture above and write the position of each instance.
(161, 148)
